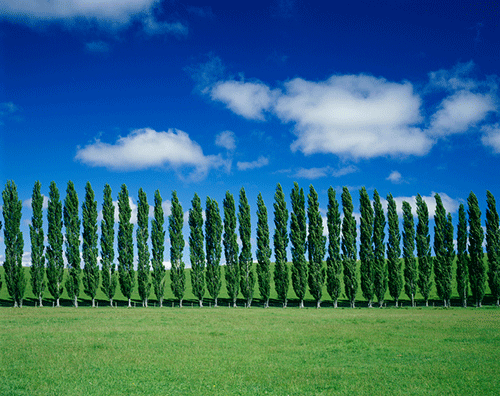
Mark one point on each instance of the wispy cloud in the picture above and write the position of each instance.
(97, 46)
(326, 171)
(491, 137)
(395, 177)
(226, 139)
(259, 163)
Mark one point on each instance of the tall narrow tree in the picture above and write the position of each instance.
(158, 249)
(395, 277)
(247, 275)
(14, 244)
(280, 239)
(108, 268)
(197, 254)
(450, 257)
(213, 248)
(142, 236)
(410, 270)
(462, 257)
(54, 254)
(333, 261)
(232, 270)
(72, 226)
(349, 248)
(175, 224)
(366, 245)
(493, 246)
(37, 245)
(263, 252)
(477, 268)
(89, 244)
(125, 245)
(298, 235)
(379, 264)
(423, 250)
(315, 247)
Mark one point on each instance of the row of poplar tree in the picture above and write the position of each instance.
(381, 266)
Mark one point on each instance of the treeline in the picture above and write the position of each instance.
(316, 260)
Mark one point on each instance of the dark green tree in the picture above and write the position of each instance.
(247, 275)
(379, 264)
(450, 257)
(333, 261)
(89, 244)
(263, 252)
(349, 247)
(462, 257)
(395, 277)
(410, 270)
(158, 242)
(142, 236)
(280, 239)
(14, 244)
(423, 250)
(232, 270)
(477, 268)
(315, 247)
(125, 245)
(54, 253)
(196, 251)
(175, 224)
(366, 255)
(298, 235)
(37, 245)
(493, 246)
(72, 226)
(213, 248)
(108, 269)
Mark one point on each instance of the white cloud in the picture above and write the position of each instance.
(147, 148)
(491, 137)
(153, 27)
(97, 46)
(454, 79)
(259, 163)
(316, 173)
(450, 204)
(395, 177)
(45, 204)
(226, 140)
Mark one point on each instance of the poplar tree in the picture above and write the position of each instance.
(108, 268)
(263, 252)
(379, 265)
(158, 249)
(232, 270)
(493, 246)
(315, 247)
(423, 250)
(247, 280)
(280, 239)
(14, 244)
(37, 245)
(333, 261)
(450, 257)
(72, 226)
(54, 253)
(197, 254)
(89, 244)
(175, 224)
(298, 235)
(395, 277)
(142, 236)
(125, 245)
(349, 247)
(410, 270)
(213, 248)
(477, 270)
(462, 257)
(366, 255)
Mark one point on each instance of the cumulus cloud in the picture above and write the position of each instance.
(147, 148)
(326, 171)
(491, 137)
(395, 177)
(226, 140)
(450, 204)
(259, 163)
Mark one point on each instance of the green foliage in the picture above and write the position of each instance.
(423, 249)
(14, 244)
(298, 235)
(196, 252)
(366, 255)
(477, 269)
(72, 226)
(37, 269)
(125, 245)
(213, 248)
(158, 242)
(247, 275)
(379, 264)
(333, 261)
(349, 247)
(232, 270)
(108, 273)
(142, 236)
(395, 278)
(89, 244)
(462, 257)
(410, 270)
(54, 254)
(175, 224)
(280, 239)
(493, 246)
(263, 252)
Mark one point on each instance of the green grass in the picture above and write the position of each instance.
(222, 351)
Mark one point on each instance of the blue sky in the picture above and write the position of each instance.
(401, 97)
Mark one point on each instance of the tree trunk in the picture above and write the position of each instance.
(396, 302)
(335, 303)
(129, 303)
(93, 302)
(301, 305)
(40, 301)
(249, 302)
(200, 302)
(57, 302)
(111, 302)
(412, 300)
(498, 302)
(284, 303)
(161, 302)
(234, 303)
(464, 303)
(215, 302)
(426, 303)
(75, 302)
(318, 304)
(180, 303)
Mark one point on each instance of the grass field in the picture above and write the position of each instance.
(222, 351)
